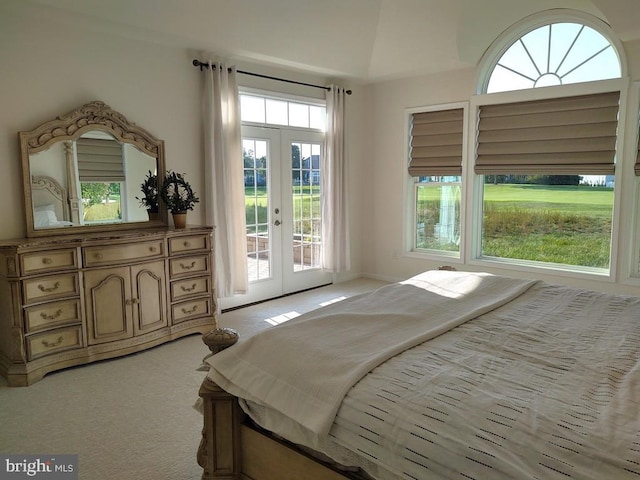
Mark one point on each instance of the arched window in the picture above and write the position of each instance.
(547, 159)
(558, 52)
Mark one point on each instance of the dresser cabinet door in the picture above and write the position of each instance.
(107, 299)
(149, 297)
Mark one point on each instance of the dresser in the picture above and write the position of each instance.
(74, 299)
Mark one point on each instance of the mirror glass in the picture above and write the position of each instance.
(90, 179)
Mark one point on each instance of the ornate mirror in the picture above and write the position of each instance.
(84, 171)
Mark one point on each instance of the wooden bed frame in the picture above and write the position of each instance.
(232, 448)
(46, 190)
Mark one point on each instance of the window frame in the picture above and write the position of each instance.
(631, 243)
(409, 191)
(476, 182)
(279, 96)
(504, 41)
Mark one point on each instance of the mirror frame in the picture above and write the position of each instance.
(95, 115)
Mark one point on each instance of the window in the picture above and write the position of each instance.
(101, 174)
(437, 213)
(555, 54)
(277, 111)
(547, 167)
(435, 168)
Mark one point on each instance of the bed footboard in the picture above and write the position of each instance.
(219, 451)
(231, 449)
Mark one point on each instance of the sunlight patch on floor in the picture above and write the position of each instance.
(278, 319)
(333, 300)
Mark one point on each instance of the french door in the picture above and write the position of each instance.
(282, 203)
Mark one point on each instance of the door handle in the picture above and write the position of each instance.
(277, 223)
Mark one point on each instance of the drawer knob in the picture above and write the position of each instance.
(53, 316)
(188, 289)
(152, 249)
(188, 267)
(187, 311)
(44, 289)
(52, 344)
(98, 256)
(47, 261)
(187, 244)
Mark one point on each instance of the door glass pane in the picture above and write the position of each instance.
(256, 197)
(305, 174)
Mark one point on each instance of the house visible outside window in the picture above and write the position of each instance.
(546, 161)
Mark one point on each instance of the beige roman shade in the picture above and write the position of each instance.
(562, 136)
(436, 143)
(99, 160)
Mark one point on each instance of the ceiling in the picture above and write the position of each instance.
(363, 40)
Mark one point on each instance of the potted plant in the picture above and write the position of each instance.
(178, 196)
(149, 199)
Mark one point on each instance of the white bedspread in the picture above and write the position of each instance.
(304, 368)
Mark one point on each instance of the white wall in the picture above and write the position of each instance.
(388, 150)
(50, 64)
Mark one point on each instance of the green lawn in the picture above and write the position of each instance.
(598, 201)
(305, 200)
(102, 212)
(559, 224)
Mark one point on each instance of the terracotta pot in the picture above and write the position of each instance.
(180, 219)
(153, 215)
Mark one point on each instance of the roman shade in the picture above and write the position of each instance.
(563, 136)
(436, 143)
(99, 160)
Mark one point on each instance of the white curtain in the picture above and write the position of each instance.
(224, 184)
(336, 255)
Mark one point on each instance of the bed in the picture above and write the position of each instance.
(50, 203)
(445, 375)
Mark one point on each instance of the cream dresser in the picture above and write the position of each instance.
(73, 299)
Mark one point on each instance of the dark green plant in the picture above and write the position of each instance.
(149, 189)
(176, 193)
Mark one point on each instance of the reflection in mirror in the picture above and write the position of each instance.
(84, 170)
(103, 178)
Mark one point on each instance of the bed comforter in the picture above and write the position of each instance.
(508, 380)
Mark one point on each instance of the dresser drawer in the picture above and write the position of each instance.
(52, 314)
(188, 265)
(181, 312)
(192, 243)
(108, 255)
(49, 288)
(41, 262)
(41, 344)
(189, 287)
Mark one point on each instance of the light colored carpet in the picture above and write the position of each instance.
(131, 418)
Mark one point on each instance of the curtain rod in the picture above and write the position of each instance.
(198, 63)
